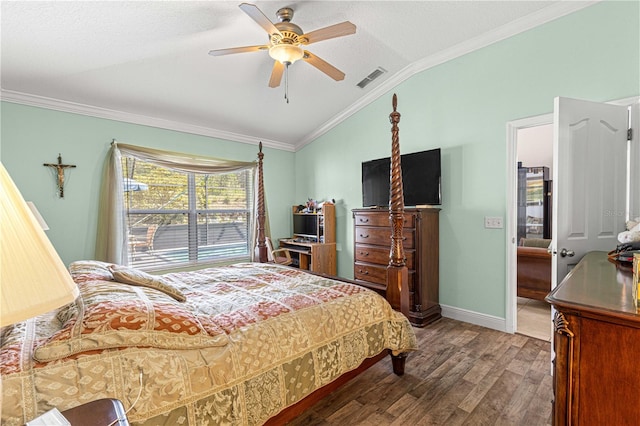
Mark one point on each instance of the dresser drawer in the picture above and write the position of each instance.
(371, 273)
(382, 236)
(380, 255)
(380, 219)
(377, 274)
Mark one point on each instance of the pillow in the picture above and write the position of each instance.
(67, 312)
(126, 275)
(110, 315)
(85, 270)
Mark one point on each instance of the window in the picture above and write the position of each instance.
(176, 218)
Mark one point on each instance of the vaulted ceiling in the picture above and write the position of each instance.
(148, 62)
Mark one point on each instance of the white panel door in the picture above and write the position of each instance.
(634, 154)
(589, 180)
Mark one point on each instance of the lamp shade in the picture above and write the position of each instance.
(33, 278)
(38, 216)
(286, 53)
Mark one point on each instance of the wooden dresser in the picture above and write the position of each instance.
(372, 239)
(597, 346)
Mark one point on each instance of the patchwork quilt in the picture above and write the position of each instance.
(232, 345)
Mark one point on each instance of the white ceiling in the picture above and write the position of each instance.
(148, 62)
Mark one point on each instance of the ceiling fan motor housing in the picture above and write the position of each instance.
(289, 34)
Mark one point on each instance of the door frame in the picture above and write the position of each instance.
(511, 299)
(513, 127)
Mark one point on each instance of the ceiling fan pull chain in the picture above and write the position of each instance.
(286, 81)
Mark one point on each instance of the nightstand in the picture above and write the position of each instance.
(101, 412)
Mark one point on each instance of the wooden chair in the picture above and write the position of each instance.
(145, 243)
(275, 256)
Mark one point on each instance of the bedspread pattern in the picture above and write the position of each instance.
(289, 333)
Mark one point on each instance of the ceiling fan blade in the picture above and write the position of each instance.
(229, 51)
(323, 66)
(333, 31)
(276, 74)
(257, 15)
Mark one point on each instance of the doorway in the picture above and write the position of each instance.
(530, 142)
(534, 151)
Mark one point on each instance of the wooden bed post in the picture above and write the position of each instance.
(397, 272)
(262, 247)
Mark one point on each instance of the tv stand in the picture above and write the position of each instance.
(313, 244)
(315, 257)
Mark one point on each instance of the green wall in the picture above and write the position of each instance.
(33, 136)
(462, 107)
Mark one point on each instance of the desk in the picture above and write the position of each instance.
(315, 257)
(596, 344)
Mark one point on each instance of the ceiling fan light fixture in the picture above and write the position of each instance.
(286, 53)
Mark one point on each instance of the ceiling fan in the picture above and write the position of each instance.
(286, 40)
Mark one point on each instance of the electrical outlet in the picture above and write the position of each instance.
(493, 222)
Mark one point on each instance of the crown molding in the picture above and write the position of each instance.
(127, 117)
(543, 16)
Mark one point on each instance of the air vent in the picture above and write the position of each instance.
(368, 79)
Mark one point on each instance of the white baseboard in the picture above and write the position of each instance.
(477, 318)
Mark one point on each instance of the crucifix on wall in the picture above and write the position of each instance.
(60, 168)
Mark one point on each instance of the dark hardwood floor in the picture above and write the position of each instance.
(462, 374)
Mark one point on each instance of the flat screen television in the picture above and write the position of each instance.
(305, 225)
(421, 179)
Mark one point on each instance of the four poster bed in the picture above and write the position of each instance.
(250, 343)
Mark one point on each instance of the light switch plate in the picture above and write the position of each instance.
(493, 222)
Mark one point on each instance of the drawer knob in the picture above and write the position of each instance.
(364, 253)
(363, 272)
(364, 236)
(364, 219)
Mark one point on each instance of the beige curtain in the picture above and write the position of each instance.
(111, 242)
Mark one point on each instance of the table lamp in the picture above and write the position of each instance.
(33, 278)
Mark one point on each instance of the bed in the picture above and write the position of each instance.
(246, 344)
